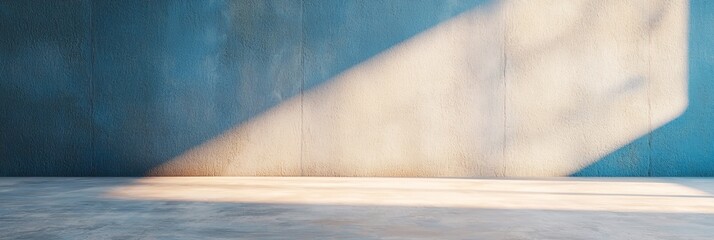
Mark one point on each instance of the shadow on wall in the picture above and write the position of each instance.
(352, 88)
(45, 103)
(172, 74)
(684, 146)
(345, 96)
(120, 87)
(499, 90)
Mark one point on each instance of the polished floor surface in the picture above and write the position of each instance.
(356, 208)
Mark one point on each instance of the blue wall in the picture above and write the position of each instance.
(684, 146)
(45, 88)
(115, 88)
(169, 75)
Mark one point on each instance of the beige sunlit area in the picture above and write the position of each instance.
(612, 195)
(495, 91)
(357, 119)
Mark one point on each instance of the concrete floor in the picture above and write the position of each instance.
(356, 208)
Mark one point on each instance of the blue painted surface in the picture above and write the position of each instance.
(115, 88)
(172, 74)
(341, 34)
(45, 105)
(685, 146)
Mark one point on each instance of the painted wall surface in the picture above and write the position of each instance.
(357, 88)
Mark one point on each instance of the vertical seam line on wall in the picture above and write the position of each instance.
(91, 88)
(649, 99)
(302, 82)
(505, 89)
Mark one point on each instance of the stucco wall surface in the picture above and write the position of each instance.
(461, 88)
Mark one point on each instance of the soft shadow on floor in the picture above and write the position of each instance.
(354, 208)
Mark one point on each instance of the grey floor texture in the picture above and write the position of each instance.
(356, 208)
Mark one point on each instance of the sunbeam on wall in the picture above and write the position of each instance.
(510, 88)
(588, 77)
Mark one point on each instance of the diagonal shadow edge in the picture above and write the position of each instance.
(682, 147)
(201, 164)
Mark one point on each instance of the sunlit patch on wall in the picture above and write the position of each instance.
(513, 88)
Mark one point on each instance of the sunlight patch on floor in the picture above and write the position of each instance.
(613, 195)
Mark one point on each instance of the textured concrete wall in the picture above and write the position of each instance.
(357, 88)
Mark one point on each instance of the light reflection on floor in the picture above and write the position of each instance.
(356, 208)
(618, 195)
